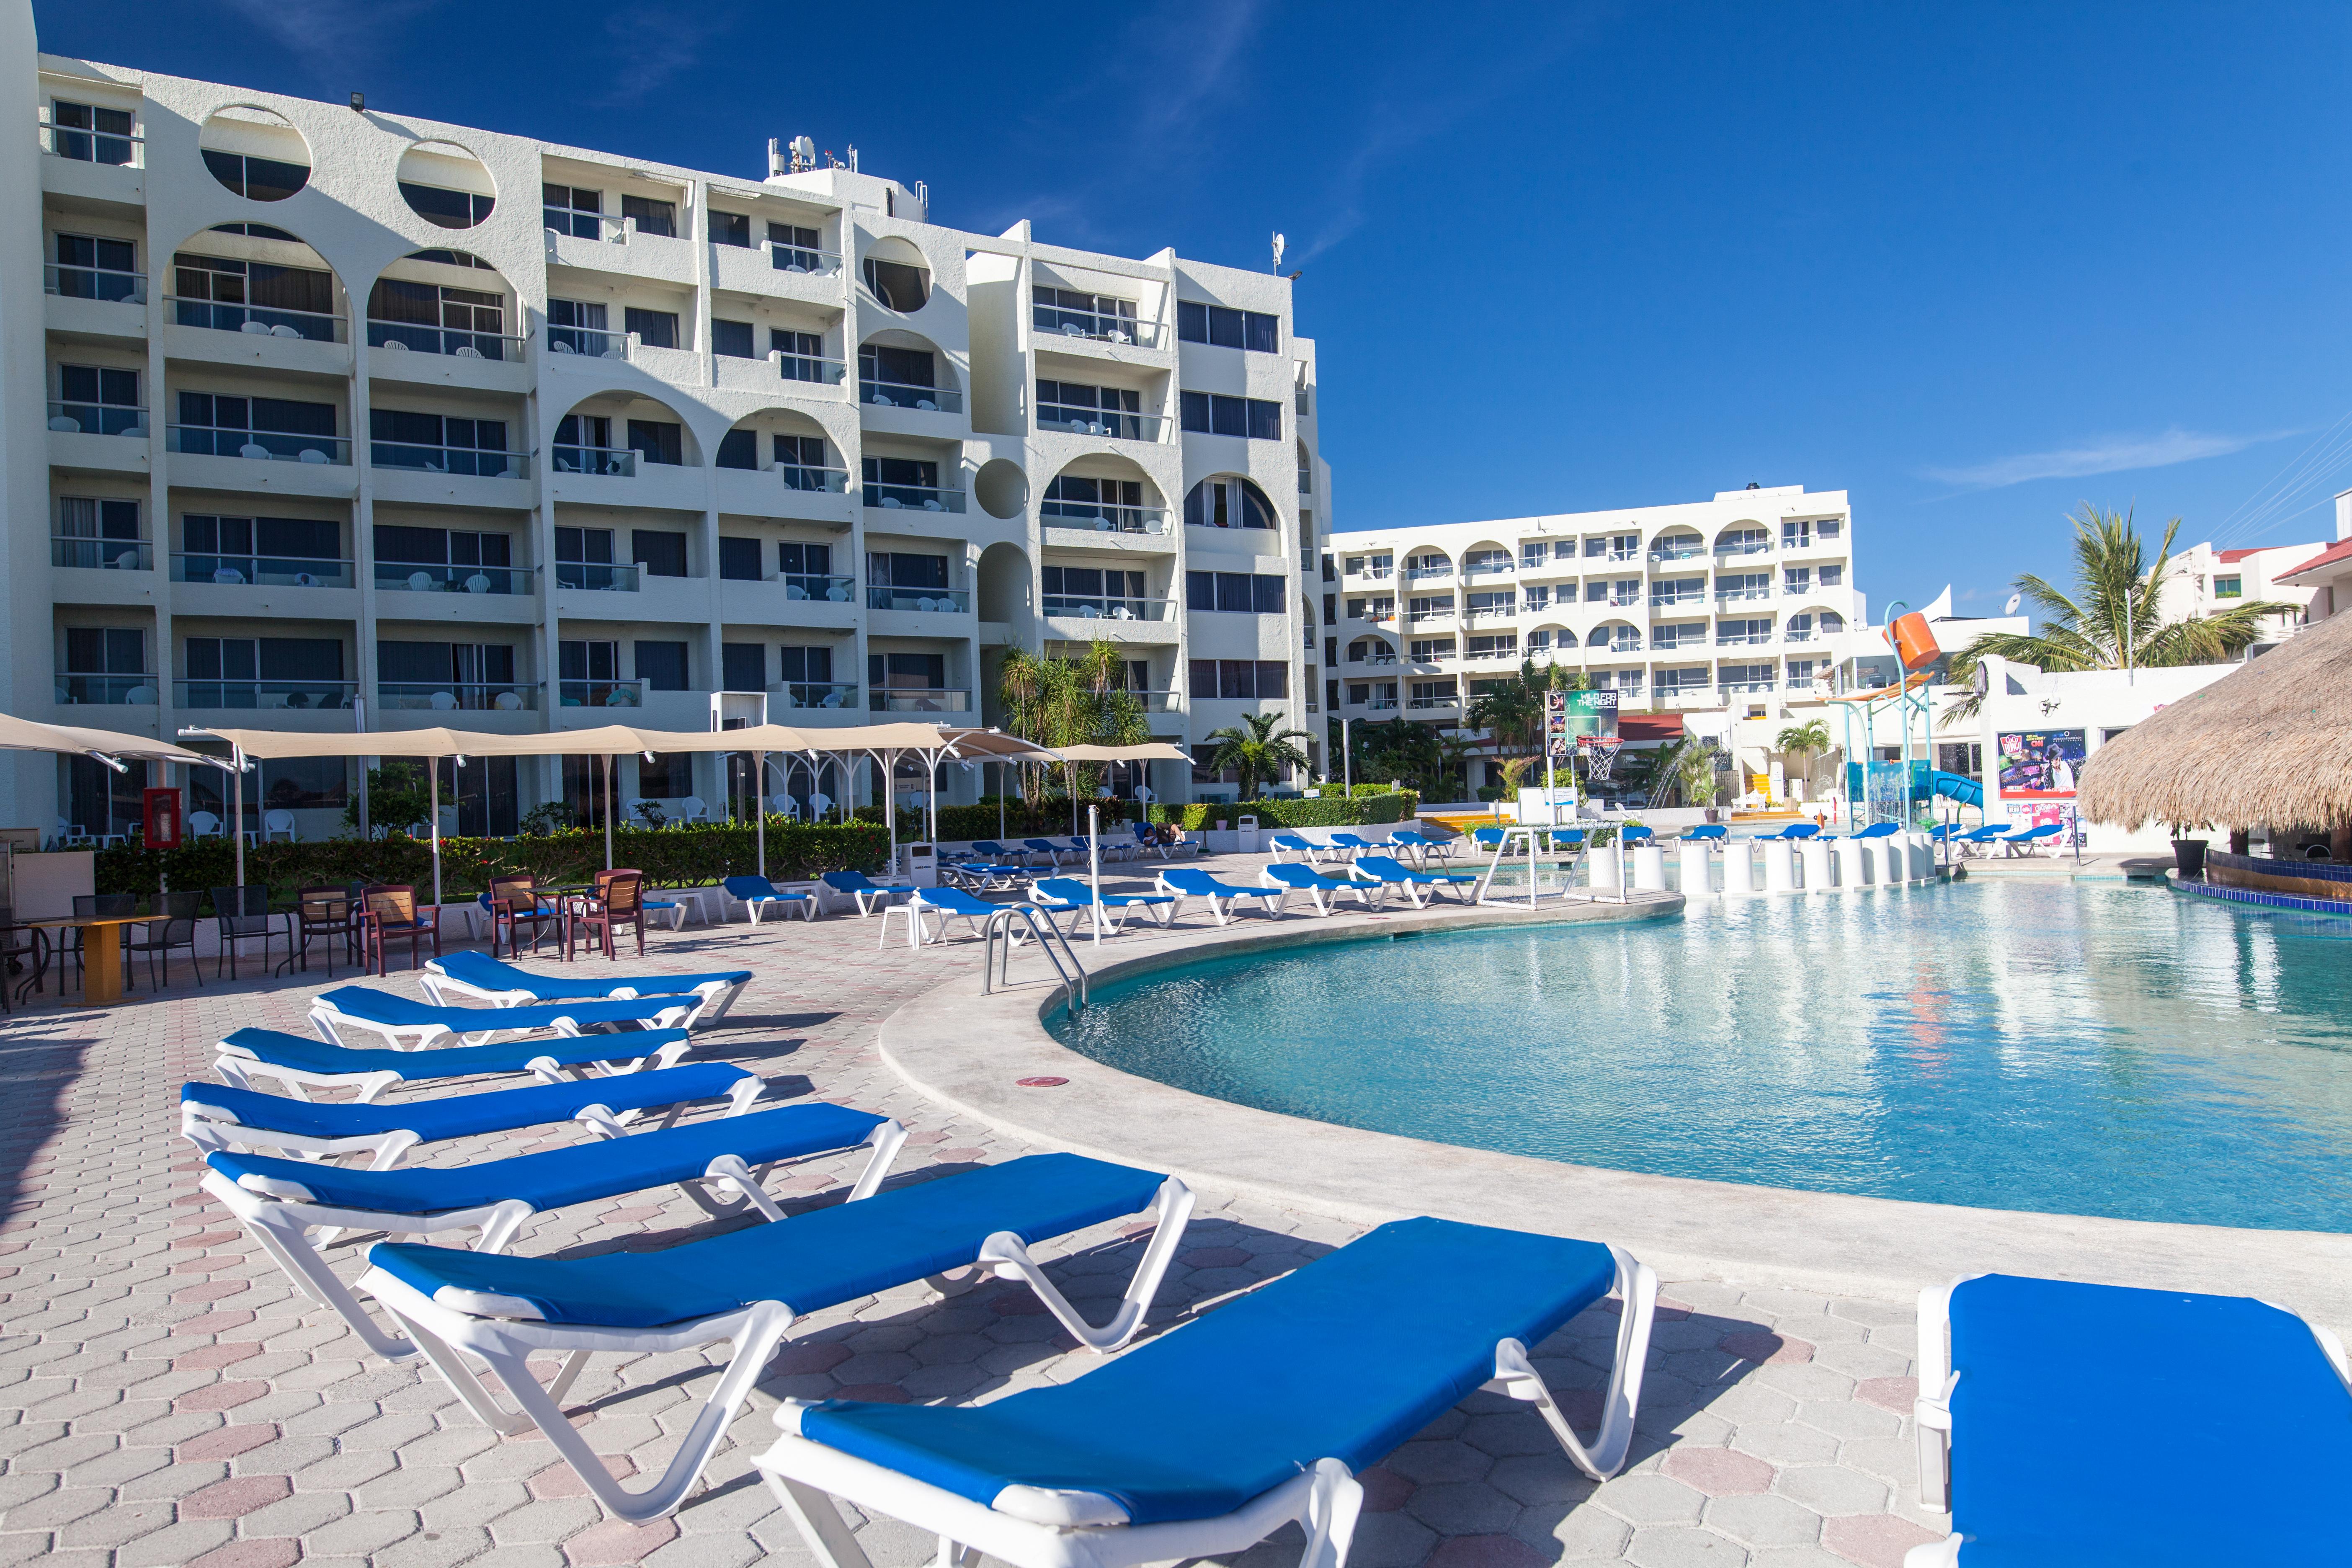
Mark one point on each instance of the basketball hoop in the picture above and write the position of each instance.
(1604, 754)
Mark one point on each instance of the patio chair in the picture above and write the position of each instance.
(1876, 830)
(1990, 833)
(403, 1023)
(1706, 833)
(1488, 839)
(176, 929)
(947, 903)
(216, 1117)
(21, 948)
(299, 1064)
(328, 911)
(389, 913)
(281, 1200)
(277, 821)
(1191, 882)
(867, 895)
(98, 906)
(1348, 846)
(617, 904)
(1792, 831)
(1069, 893)
(1423, 849)
(505, 985)
(1419, 887)
(1322, 891)
(243, 915)
(749, 1288)
(2019, 845)
(515, 902)
(1292, 844)
(2046, 1407)
(1260, 1413)
(1570, 838)
(757, 895)
(1635, 833)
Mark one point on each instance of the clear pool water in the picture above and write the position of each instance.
(2098, 1050)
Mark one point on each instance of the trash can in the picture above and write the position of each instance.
(1248, 834)
(919, 865)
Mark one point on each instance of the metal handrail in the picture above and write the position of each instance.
(1003, 920)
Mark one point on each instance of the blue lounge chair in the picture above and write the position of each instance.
(1191, 882)
(2050, 1410)
(1635, 833)
(947, 903)
(1792, 831)
(757, 894)
(1567, 839)
(1069, 893)
(1052, 851)
(1708, 832)
(508, 985)
(297, 1063)
(1423, 849)
(1292, 844)
(280, 1201)
(990, 849)
(2017, 844)
(1350, 844)
(1876, 830)
(1486, 839)
(1210, 1438)
(407, 1024)
(750, 1287)
(867, 895)
(217, 1117)
(1322, 891)
(985, 876)
(1990, 833)
(1396, 874)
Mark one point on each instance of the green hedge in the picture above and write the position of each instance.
(1361, 810)
(669, 857)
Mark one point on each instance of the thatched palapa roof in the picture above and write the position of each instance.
(2271, 743)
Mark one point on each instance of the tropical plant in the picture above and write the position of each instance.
(1682, 773)
(1256, 750)
(397, 798)
(1514, 710)
(1078, 701)
(2114, 617)
(1803, 742)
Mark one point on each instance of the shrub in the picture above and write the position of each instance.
(1359, 811)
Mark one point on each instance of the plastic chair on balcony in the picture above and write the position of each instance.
(255, 328)
(227, 574)
(254, 449)
(691, 809)
(282, 331)
(243, 915)
(443, 701)
(201, 825)
(279, 821)
(618, 901)
(66, 425)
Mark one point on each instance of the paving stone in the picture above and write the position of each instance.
(1875, 1541)
(1829, 1489)
(1757, 1521)
(1718, 1472)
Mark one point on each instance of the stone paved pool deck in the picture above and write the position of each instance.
(169, 1398)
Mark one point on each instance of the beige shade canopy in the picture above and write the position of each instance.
(1150, 752)
(614, 740)
(25, 735)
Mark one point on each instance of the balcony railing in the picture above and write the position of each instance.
(406, 337)
(1117, 423)
(815, 694)
(1476, 655)
(98, 419)
(834, 589)
(330, 695)
(1619, 646)
(1490, 569)
(1379, 704)
(1748, 547)
(93, 283)
(1306, 482)
(1677, 552)
(432, 577)
(1375, 574)
(118, 149)
(596, 576)
(1797, 633)
(270, 445)
(809, 368)
(916, 700)
(1480, 614)
(449, 695)
(1736, 595)
(1053, 321)
(1668, 601)
(1449, 701)
(108, 555)
(816, 481)
(1632, 554)
(941, 600)
(1747, 687)
(1087, 607)
(618, 461)
(600, 693)
(265, 571)
(1104, 519)
(468, 460)
(111, 690)
(1426, 573)
(1744, 639)
(257, 321)
(593, 341)
(1663, 644)
(1155, 702)
(904, 395)
(914, 498)
(1422, 618)
(800, 259)
(1377, 658)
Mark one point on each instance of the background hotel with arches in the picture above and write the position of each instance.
(319, 413)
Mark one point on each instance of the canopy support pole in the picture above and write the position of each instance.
(760, 806)
(1000, 801)
(432, 823)
(1094, 867)
(608, 812)
(236, 810)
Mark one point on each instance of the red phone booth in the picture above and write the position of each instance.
(163, 815)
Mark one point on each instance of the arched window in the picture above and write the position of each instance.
(1228, 501)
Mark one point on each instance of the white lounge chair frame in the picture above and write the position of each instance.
(866, 899)
(1112, 916)
(1371, 895)
(915, 908)
(1032, 1527)
(280, 1215)
(505, 1333)
(716, 995)
(332, 1021)
(1220, 904)
(238, 1067)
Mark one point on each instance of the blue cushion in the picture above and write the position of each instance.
(956, 901)
(748, 888)
(1345, 1359)
(809, 1262)
(2076, 1408)
(384, 1007)
(493, 974)
(599, 1168)
(848, 882)
(447, 1061)
(1199, 883)
(1302, 877)
(461, 1115)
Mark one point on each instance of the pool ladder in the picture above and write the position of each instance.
(1048, 934)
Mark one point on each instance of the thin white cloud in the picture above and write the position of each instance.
(2103, 454)
(332, 35)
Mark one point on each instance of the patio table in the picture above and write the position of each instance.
(101, 962)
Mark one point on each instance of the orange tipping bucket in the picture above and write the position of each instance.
(1915, 644)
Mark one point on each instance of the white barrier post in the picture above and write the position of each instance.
(1815, 854)
(1697, 867)
(1780, 867)
(1873, 860)
(1602, 869)
(1649, 868)
(1739, 868)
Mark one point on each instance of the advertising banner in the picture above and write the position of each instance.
(2040, 765)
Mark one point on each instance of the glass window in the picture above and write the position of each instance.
(880, 364)
(652, 217)
(446, 209)
(813, 664)
(100, 400)
(662, 666)
(739, 559)
(90, 134)
(1267, 595)
(898, 286)
(730, 228)
(256, 179)
(89, 268)
(791, 248)
(739, 449)
(732, 339)
(106, 651)
(744, 666)
(1221, 328)
(2229, 587)
(895, 570)
(1228, 502)
(657, 441)
(660, 551)
(1833, 576)
(656, 329)
(794, 559)
(573, 210)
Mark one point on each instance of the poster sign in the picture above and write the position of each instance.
(2040, 765)
(160, 818)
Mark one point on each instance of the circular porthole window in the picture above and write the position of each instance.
(255, 153)
(447, 185)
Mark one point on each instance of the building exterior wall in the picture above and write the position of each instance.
(996, 450)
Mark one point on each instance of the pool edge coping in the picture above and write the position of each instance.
(966, 1050)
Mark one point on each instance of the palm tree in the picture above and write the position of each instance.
(1804, 741)
(2113, 620)
(1256, 750)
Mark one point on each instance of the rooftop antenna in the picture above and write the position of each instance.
(1279, 243)
(2014, 600)
(775, 157)
(803, 154)
(853, 157)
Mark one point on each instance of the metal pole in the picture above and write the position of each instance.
(433, 828)
(1347, 760)
(358, 727)
(608, 811)
(1000, 801)
(760, 807)
(236, 811)
(1094, 865)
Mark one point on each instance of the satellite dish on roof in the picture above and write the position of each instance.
(2011, 607)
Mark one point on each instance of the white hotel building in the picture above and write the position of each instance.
(319, 416)
(1735, 605)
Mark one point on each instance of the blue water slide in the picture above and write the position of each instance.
(1958, 787)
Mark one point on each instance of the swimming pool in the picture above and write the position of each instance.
(2099, 1049)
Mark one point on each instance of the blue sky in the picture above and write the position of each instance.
(1975, 264)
